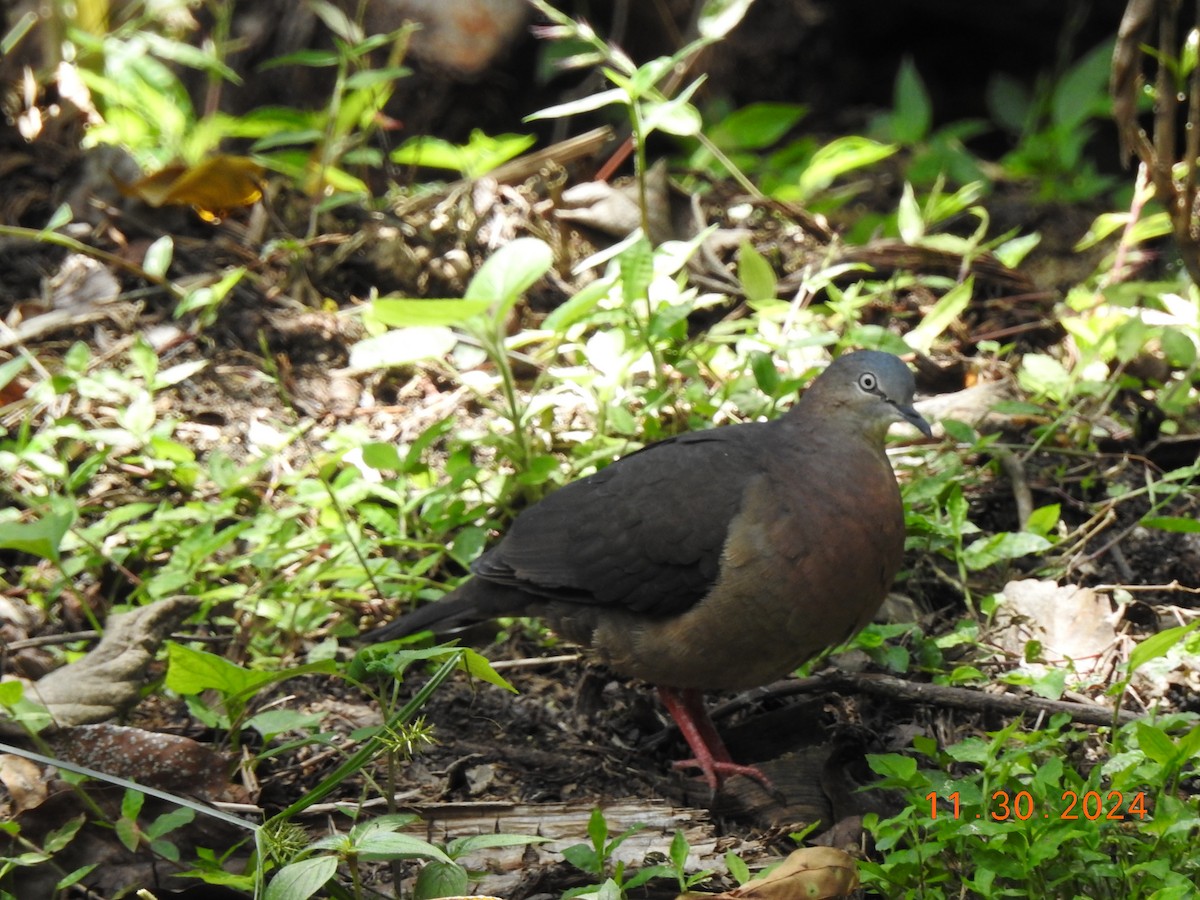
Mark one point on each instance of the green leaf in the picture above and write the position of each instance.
(676, 116)
(311, 58)
(401, 347)
(909, 220)
(901, 769)
(406, 313)
(1045, 376)
(369, 78)
(766, 375)
(838, 157)
(301, 880)
(578, 307)
(475, 842)
(944, 313)
(379, 455)
(679, 851)
(509, 272)
(126, 830)
(589, 103)
(757, 126)
(1158, 645)
(1178, 347)
(1006, 545)
(42, 537)
(719, 17)
(169, 821)
(158, 257)
(478, 666)
(597, 828)
(1043, 519)
(75, 876)
(1156, 744)
(10, 369)
(59, 838)
(914, 112)
(1082, 94)
(756, 275)
(480, 155)
(439, 879)
(1178, 524)
(11, 693)
(194, 671)
(394, 845)
(737, 867)
(636, 264)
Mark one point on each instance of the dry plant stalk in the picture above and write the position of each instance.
(1171, 167)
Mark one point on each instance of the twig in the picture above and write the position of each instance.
(892, 688)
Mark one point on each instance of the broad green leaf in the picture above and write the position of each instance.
(401, 347)
(1156, 743)
(756, 127)
(393, 845)
(1081, 93)
(439, 879)
(838, 157)
(194, 671)
(1006, 545)
(405, 313)
(478, 666)
(42, 537)
(756, 275)
(1044, 375)
(509, 272)
(382, 456)
(11, 692)
(300, 880)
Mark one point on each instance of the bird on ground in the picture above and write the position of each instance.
(715, 560)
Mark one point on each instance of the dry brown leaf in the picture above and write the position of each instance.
(1070, 622)
(23, 780)
(212, 188)
(109, 679)
(168, 762)
(810, 873)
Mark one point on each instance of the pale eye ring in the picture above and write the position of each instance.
(868, 382)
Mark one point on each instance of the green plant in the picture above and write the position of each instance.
(375, 840)
(1052, 125)
(933, 155)
(1020, 814)
(647, 91)
(340, 134)
(596, 859)
(1011, 816)
(477, 157)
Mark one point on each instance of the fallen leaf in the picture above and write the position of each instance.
(212, 187)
